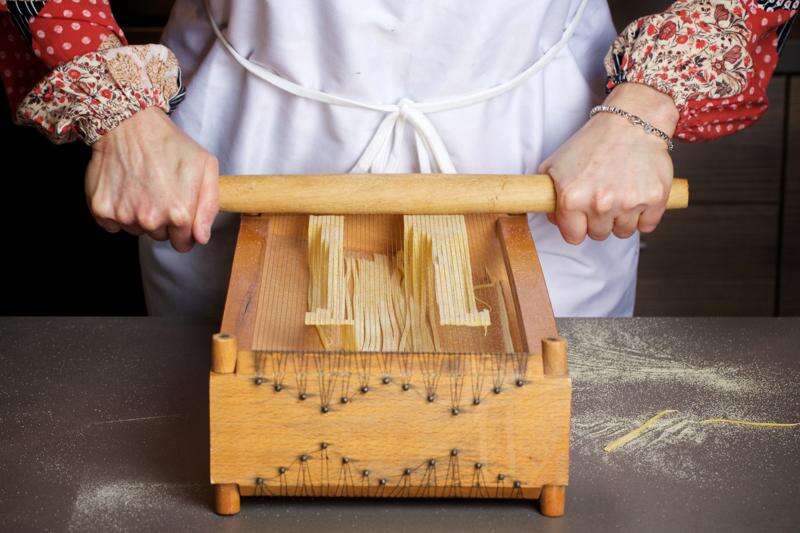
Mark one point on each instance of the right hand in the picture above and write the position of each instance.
(148, 177)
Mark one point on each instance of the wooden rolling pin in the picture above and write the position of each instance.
(412, 194)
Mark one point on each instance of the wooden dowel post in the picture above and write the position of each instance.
(554, 357)
(226, 499)
(223, 353)
(552, 500)
(223, 361)
(554, 360)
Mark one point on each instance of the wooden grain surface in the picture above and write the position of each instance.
(242, 294)
(531, 299)
(276, 246)
(522, 433)
(410, 194)
(483, 424)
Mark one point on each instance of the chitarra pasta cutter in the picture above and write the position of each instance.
(389, 336)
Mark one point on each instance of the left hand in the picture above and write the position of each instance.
(612, 176)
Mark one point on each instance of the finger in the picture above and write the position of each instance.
(181, 237)
(572, 225)
(552, 218)
(159, 234)
(625, 225)
(544, 167)
(107, 224)
(650, 218)
(571, 214)
(153, 221)
(101, 208)
(134, 229)
(600, 226)
(207, 203)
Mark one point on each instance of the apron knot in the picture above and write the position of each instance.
(405, 106)
(382, 153)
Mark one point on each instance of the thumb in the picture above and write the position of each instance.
(544, 167)
(207, 203)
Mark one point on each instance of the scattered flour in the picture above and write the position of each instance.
(613, 356)
(622, 376)
(120, 505)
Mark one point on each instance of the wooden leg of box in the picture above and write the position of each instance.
(554, 357)
(223, 353)
(226, 498)
(551, 500)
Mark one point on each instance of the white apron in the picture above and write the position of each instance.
(303, 86)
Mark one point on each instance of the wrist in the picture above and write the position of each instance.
(647, 103)
(637, 121)
(140, 124)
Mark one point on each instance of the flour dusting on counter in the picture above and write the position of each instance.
(621, 380)
(116, 504)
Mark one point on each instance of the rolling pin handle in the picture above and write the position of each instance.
(410, 194)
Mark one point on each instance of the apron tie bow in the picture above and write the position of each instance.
(382, 152)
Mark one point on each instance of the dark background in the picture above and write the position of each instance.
(735, 251)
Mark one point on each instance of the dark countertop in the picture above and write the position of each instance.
(104, 426)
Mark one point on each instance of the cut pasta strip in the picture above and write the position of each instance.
(328, 305)
(648, 424)
(395, 301)
(327, 285)
(636, 433)
(749, 423)
(437, 245)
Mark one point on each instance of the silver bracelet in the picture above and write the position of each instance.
(636, 121)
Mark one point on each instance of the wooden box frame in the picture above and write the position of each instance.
(267, 440)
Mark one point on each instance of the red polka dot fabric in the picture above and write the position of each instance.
(68, 28)
(19, 69)
(62, 30)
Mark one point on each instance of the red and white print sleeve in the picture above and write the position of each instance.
(715, 58)
(86, 78)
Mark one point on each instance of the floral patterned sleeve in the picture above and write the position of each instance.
(70, 72)
(715, 59)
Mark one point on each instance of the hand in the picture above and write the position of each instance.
(147, 176)
(612, 176)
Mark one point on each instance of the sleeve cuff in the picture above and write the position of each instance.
(688, 53)
(92, 94)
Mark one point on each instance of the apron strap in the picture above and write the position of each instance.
(380, 155)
